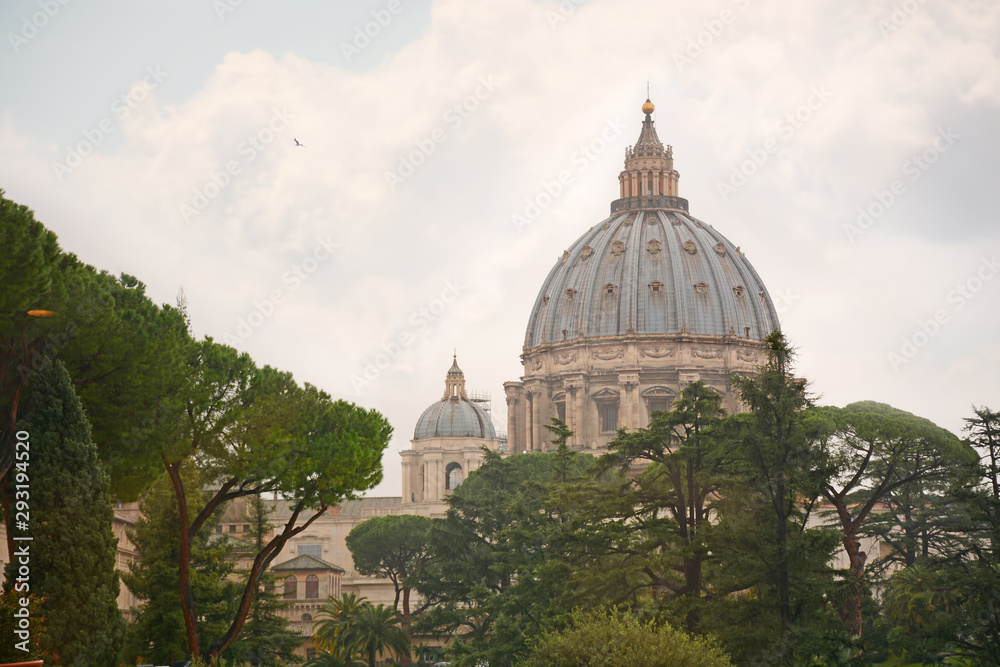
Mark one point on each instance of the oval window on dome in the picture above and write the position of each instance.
(701, 288)
(738, 290)
(609, 289)
(690, 247)
(617, 248)
(655, 287)
(653, 247)
(587, 252)
(570, 293)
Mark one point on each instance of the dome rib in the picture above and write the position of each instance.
(715, 311)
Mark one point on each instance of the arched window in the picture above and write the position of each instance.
(312, 587)
(452, 476)
(307, 618)
(291, 587)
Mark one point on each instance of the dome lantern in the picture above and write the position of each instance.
(649, 179)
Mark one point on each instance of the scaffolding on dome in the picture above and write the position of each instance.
(483, 400)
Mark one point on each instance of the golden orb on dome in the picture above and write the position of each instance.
(648, 107)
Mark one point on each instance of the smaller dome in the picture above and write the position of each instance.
(648, 107)
(454, 416)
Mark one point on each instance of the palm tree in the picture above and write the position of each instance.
(335, 633)
(378, 629)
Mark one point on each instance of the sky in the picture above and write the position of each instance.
(850, 148)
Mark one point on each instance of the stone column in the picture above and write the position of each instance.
(407, 471)
(515, 417)
(627, 414)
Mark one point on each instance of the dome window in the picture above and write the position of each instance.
(570, 293)
(565, 256)
(655, 287)
(609, 289)
(738, 290)
(545, 300)
(587, 252)
(701, 288)
(452, 476)
(690, 247)
(720, 249)
(653, 247)
(617, 248)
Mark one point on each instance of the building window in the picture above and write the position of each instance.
(307, 618)
(246, 528)
(452, 476)
(218, 528)
(608, 413)
(657, 404)
(315, 550)
(291, 587)
(312, 587)
(561, 410)
(232, 528)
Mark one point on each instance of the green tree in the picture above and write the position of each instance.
(64, 487)
(611, 639)
(774, 566)
(334, 630)
(673, 496)
(499, 571)
(379, 630)
(867, 451)
(158, 633)
(267, 638)
(395, 548)
(254, 430)
(123, 352)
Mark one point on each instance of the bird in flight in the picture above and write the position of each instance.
(297, 142)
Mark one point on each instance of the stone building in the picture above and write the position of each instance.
(644, 303)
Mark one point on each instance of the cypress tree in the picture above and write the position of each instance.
(73, 551)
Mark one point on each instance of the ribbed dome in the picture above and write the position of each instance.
(651, 272)
(454, 416)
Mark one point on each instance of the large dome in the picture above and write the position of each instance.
(454, 416)
(658, 271)
(643, 304)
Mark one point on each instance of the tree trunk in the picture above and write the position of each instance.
(184, 574)
(260, 564)
(405, 660)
